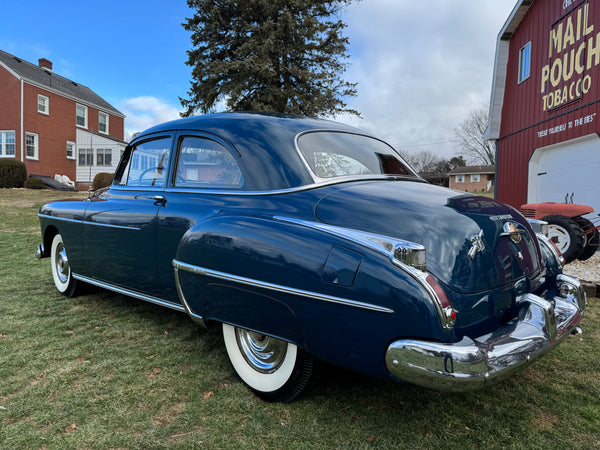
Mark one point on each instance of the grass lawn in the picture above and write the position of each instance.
(106, 371)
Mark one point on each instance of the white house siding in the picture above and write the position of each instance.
(87, 140)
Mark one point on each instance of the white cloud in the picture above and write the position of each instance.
(421, 66)
(143, 112)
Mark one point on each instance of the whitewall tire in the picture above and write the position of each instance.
(61, 270)
(274, 369)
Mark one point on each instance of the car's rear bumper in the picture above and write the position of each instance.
(470, 363)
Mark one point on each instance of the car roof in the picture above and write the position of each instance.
(265, 143)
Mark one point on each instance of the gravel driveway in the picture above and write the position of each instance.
(585, 270)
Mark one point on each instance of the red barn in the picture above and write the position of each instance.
(54, 125)
(544, 110)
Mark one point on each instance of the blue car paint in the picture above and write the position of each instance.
(131, 237)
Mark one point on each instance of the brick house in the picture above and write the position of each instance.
(54, 125)
(472, 178)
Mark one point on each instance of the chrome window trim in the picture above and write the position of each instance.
(130, 293)
(282, 191)
(318, 179)
(278, 288)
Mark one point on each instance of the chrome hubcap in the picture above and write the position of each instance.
(264, 353)
(560, 237)
(62, 263)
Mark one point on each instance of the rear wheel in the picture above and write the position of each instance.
(591, 240)
(61, 270)
(566, 234)
(276, 370)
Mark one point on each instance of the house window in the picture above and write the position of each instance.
(82, 114)
(524, 62)
(70, 150)
(43, 104)
(86, 157)
(31, 145)
(475, 178)
(104, 157)
(460, 178)
(7, 144)
(103, 122)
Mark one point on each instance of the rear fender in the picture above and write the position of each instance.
(280, 278)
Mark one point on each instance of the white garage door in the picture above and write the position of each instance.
(568, 170)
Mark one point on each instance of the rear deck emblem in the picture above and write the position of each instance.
(477, 244)
(509, 229)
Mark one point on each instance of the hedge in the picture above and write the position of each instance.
(13, 173)
(101, 180)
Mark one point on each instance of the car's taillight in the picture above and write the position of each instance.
(449, 314)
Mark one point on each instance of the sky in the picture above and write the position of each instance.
(421, 66)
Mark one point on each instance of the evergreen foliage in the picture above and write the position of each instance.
(282, 56)
(102, 180)
(34, 183)
(13, 173)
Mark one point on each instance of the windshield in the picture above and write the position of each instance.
(335, 154)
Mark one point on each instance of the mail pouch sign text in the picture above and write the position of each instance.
(574, 49)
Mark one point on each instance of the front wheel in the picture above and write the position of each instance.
(61, 270)
(276, 370)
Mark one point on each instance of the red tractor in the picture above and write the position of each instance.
(575, 236)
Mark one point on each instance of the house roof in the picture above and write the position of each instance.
(500, 64)
(467, 170)
(46, 79)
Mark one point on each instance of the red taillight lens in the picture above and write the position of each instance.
(448, 311)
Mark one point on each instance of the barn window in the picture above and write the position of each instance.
(524, 62)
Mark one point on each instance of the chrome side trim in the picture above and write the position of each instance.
(278, 288)
(195, 317)
(108, 225)
(85, 222)
(130, 293)
(382, 244)
(387, 246)
(60, 218)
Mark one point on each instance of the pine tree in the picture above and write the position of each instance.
(282, 56)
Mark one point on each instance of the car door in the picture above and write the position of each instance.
(120, 225)
(206, 175)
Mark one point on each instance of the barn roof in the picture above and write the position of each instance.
(500, 63)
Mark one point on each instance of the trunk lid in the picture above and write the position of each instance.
(462, 233)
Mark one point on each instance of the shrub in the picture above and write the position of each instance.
(101, 180)
(12, 173)
(35, 183)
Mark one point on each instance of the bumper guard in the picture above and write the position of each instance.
(470, 363)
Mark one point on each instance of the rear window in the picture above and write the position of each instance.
(333, 154)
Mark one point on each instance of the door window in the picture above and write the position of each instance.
(204, 163)
(147, 164)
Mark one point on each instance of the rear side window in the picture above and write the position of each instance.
(204, 163)
(331, 154)
(147, 164)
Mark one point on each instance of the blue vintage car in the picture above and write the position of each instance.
(311, 240)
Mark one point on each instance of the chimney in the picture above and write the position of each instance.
(45, 64)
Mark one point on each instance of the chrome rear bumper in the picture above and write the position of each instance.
(470, 363)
